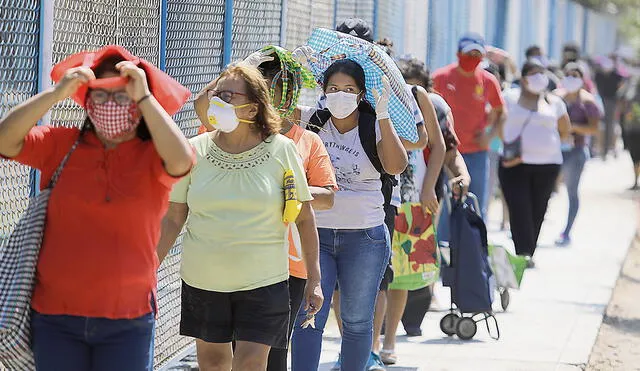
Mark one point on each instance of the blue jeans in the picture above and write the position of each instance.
(572, 167)
(356, 259)
(74, 343)
(478, 166)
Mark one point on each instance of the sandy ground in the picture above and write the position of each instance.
(618, 344)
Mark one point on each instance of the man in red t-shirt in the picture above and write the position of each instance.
(468, 89)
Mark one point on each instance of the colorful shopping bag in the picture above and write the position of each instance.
(508, 268)
(415, 257)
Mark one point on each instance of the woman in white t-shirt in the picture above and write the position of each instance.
(540, 121)
(354, 242)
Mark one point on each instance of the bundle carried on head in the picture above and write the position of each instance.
(330, 45)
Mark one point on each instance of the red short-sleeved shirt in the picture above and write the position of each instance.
(468, 97)
(98, 257)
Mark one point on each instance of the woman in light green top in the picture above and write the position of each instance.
(235, 253)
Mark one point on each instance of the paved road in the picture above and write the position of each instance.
(553, 321)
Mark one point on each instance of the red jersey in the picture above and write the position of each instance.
(468, 97)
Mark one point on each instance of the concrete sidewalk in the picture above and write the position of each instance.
(553, 321)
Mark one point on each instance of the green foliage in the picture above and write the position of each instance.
(628, 12)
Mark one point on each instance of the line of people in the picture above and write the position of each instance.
(287, 209)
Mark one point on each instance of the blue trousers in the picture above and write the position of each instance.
(74, 343)
(355, 259)
(572, 168)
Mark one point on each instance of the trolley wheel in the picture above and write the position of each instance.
(504, 299)
(466, 328)
(449, 323)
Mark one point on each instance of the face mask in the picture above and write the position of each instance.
(112, 120)
(537, 83)
(607, 64)
(342, 104)
(222, 115)
(572, 84)
(468, 63)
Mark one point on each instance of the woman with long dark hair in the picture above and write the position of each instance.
(533, 131)
(354, 242)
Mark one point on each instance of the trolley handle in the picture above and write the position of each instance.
(462, 198)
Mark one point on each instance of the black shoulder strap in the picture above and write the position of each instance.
(367, 133)
(318, 119)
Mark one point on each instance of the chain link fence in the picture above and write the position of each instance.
(194, 58)
(19, 53)
(299, 22)
(255, 24)
(187, 38)
(88, 25)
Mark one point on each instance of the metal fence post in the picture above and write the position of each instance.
(376, 5)
(227, 43)
(45, 61)
(335, 13)
(163, 35)
(283, 23)
(552, 27)
(585, 30)
(431, 35)
(502, 18)
(569, 26)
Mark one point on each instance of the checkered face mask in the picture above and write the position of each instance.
(112, 120)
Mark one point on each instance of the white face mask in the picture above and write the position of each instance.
(572, 84)
(537, 83)
(222, 115)
(607, 64)
(342, 104)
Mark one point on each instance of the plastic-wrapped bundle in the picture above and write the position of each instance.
(331, 45)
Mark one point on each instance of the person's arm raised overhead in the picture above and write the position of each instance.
(16, 124)
(390, 149)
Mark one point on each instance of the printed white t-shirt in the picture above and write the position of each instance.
(358, 203)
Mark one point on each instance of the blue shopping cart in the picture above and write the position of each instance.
(467, 272)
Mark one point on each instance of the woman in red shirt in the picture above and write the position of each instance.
(93, 304)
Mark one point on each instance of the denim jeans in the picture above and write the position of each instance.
(572, 167)
(478, 166)
(356, 259)
(74, 343)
